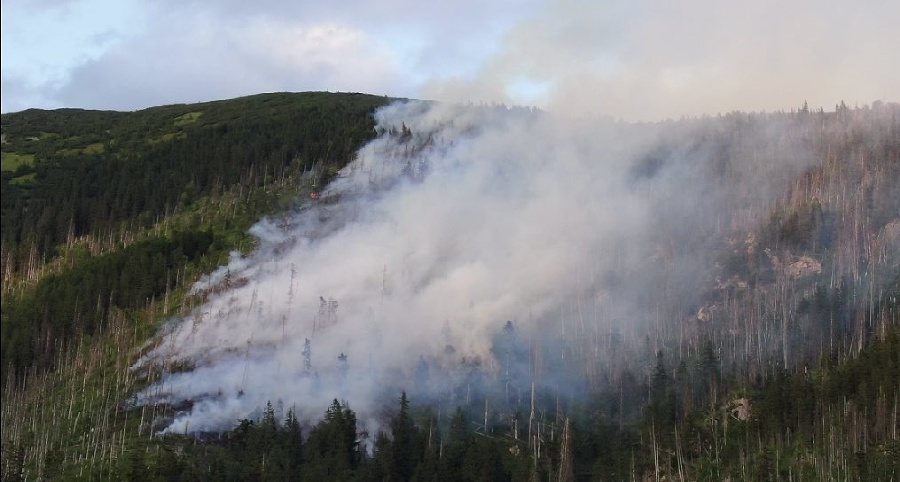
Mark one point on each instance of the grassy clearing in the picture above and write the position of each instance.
(27, 178)
(171, 136)
(95, 148)
(12, 160)
(188, 118)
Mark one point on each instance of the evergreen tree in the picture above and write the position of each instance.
(404, 458)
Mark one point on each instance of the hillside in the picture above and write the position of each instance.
(110, 184)
(700, 299)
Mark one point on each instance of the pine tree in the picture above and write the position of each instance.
(292, 441)
(403, 458)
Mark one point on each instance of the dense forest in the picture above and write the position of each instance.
(96, 186)
(788, 367)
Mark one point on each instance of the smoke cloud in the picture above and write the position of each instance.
(453, 221)
(647, 60)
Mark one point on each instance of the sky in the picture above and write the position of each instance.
(628, 59)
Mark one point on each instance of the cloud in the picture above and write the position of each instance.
(156, 52)
(19, 93)
(194, 59)
(149, 53)
(635, 60)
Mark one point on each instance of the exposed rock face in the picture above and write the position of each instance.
(803, 266)
(739, 409)
(890, 235)
(705, 313)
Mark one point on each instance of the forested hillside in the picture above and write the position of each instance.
(778, 359)
(127, 201)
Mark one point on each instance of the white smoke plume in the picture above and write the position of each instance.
(454, 220)
(650, 60)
